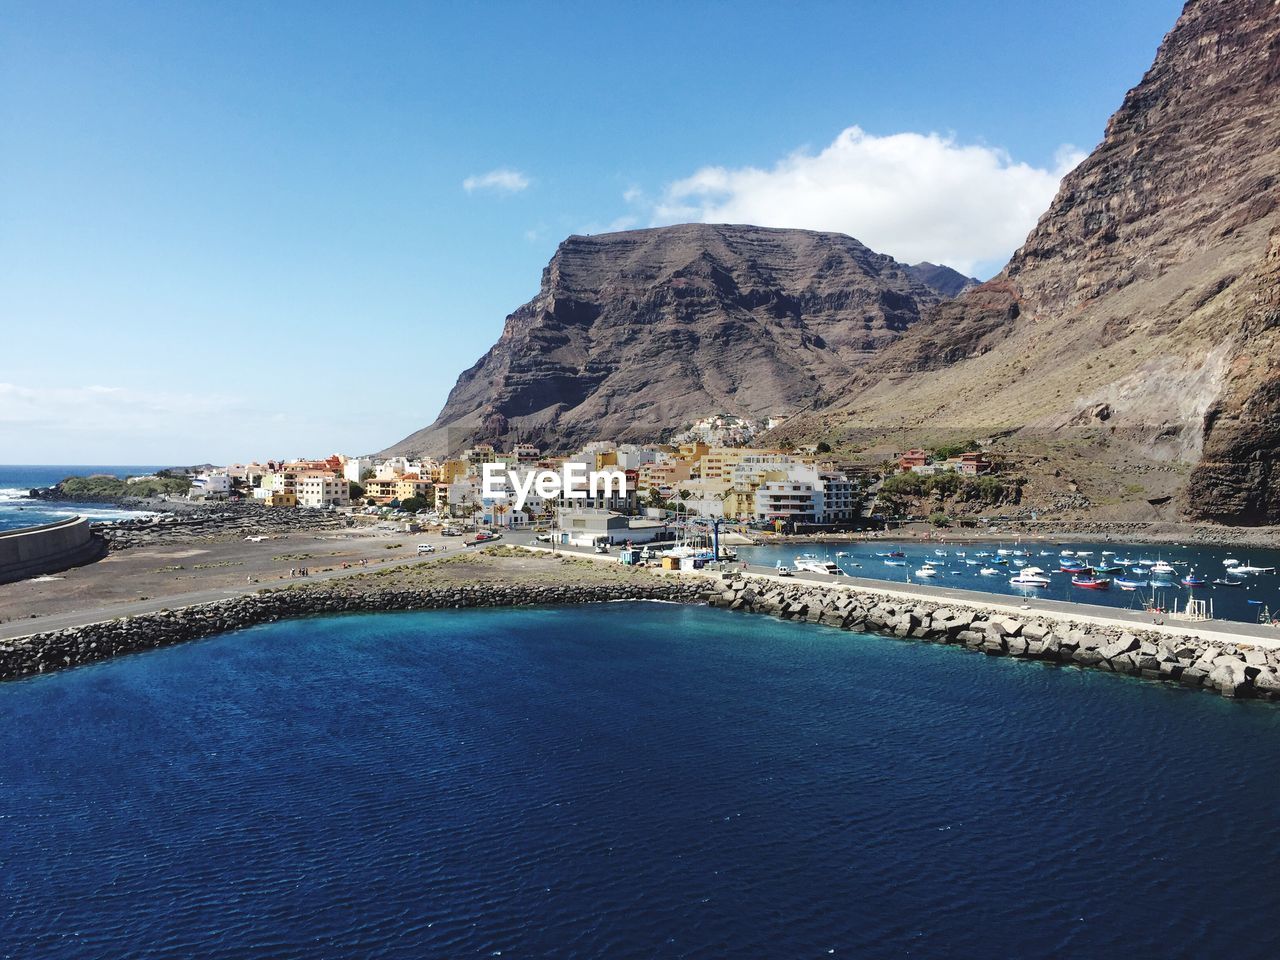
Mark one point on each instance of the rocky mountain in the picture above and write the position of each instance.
(1132, 340)
(948, 282)
(634, 334)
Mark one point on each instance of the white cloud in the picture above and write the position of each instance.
(502, 180)
(913, 196)
(118, 410)
(112, 424)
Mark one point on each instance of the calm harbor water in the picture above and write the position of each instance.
(1246, 601)
(19, 510)
(626, 780)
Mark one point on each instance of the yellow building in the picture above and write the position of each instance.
(692, 452)
(451, 471)
(399, 488)
(280, 498)
(411, 486)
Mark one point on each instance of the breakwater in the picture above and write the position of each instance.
(47, 548)
(59, 650)
(1230, 669)
(1233, 670)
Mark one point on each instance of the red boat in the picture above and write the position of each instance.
(1091, 583)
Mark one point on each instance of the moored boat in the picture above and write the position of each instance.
(811, 563)
(1030, 577)
(1090, 582)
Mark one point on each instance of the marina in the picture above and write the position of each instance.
(1138, 579)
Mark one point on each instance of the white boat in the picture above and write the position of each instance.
(988, 572)
(1003, 552)
(1231, 562)
(1030, 577)
(940, 553)
(895, 563)
(1161, 566)
(1067, 553)
(811, 563)
(1246, 568)
(927, 571)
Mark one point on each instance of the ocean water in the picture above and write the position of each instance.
(626, 780)
(19, 510)
(1251, 598)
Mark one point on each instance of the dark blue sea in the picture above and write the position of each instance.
(626, 780)
(1246, 598)
(18, 510)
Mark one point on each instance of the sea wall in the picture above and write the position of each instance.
(46, 652)
(31, 551)
(1233, 670)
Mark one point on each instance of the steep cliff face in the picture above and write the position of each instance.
(1138, 317)
(634, 334)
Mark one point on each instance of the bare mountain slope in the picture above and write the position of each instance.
(1138, 321)
(633, 334)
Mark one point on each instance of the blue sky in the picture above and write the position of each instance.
(237, 230)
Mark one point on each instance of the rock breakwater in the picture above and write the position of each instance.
(208, 525)
(59, 650)
(1233, 670)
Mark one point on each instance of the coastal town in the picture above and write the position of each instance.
(712, 471)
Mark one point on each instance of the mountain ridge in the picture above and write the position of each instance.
(1131, 335)
(634, 333)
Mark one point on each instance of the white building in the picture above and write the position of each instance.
(322, 490)
(841, 499)
(790, 501)
(808, 499)
(355, 468)
(210, 486)
(632, 457)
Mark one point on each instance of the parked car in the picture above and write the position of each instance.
(426, 548)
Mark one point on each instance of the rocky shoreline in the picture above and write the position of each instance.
(222, 523)
(1236, 670)
(62, 649)
(1233, 670)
